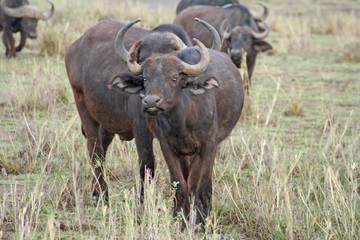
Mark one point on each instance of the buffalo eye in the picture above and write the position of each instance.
(174, 79)
(144, 79)
(247, 40)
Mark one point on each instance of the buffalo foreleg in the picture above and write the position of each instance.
(22, 41)
(177, 169)
(143, 140)
(9, 42)
(200, 182)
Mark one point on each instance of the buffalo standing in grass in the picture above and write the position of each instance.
(90, 63)
(19, 16)
(236, 26)
(192, 99)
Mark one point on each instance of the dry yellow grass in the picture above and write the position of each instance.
(276, 176)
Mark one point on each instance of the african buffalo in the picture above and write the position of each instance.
(187, 3)
(192, 100)
(90, 63)
(236, 26)
(19, 16)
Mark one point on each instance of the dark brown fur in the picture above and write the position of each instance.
(190, 126)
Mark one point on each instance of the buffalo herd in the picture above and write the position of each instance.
(178, 83)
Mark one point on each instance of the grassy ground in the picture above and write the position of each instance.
(290, 169)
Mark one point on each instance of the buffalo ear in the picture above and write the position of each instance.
(261, 46)
(202, 88)
(127, 83)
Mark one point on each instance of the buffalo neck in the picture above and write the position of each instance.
(174, 120)
(174, 128)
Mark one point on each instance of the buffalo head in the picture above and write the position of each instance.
(161, 78)
(242, 39)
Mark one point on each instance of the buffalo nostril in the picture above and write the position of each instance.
(151, 99)
(235, 52)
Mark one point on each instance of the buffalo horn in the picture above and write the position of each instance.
(48, 14)
(119, 40)
(131, 59)
(202, 65)
(216, 45)
(27, 11)
(265, 13)
(223, 29)
(263, 34)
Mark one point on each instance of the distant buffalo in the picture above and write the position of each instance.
(20, 16)
(237, 27)
(187, 3)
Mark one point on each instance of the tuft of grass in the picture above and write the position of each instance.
(42, 92)
(350, 51)
(295, 33)
(55, 39)
(294, 106)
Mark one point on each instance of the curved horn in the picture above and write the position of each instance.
(216, 45)
(131, 59)
(202, 65)
(27, 11)
(20, 12)
(119, 40)
(48, 14)
(227, 5)
(265, 12)
(263, 34)
(223, 29)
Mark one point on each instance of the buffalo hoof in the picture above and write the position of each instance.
(10, 55)
(98, 194)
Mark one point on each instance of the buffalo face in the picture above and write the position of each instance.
(29, 26)
(243, 39)
(161, 78)
(163, 81)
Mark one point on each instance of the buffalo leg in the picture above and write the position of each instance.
(98, 140)
(176, 167)
(200, 181)
(9, 43)
(22, 41)
(143, 140)
(105, 139)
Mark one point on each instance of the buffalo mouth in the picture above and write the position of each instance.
(32, 35)
(154, 111)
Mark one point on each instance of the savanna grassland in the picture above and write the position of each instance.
(289, 170)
